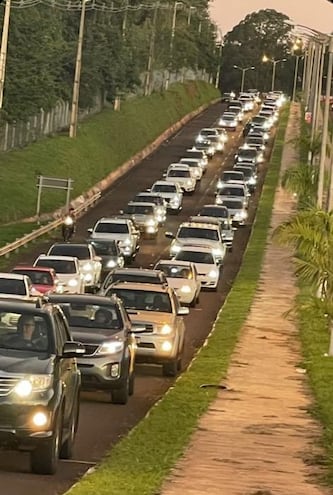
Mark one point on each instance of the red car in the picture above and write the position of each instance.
(43, 279)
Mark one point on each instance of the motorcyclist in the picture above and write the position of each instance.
(69, 225)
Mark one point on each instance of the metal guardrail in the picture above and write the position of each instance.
(13, 246)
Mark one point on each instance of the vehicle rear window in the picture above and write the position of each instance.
(165, 188)
(81, 252)
(210, 211)
(59, 266)
(199, 233)
(111, 228)
(174, 271)
(101, 318)
(195, 257)
(12, 286)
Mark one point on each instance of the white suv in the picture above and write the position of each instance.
(121, 230)
(183, 175)
(68, 272)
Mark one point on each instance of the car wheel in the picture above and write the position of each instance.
(170, 368)
(44, 458)
(120, 395)
(66, 451)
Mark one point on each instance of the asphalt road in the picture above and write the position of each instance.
(102, 423)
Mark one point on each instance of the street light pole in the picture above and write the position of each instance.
(77, 75)
(297, 57)
(172, 38)
(325, 130)
(151, 52)
(243, 70)
(3, 50)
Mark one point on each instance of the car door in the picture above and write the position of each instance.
(68, 372)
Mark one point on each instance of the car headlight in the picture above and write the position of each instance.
(174, 202)
(150, 223)
(185, 289)
(211, 150)
(166, 329)
(252, 181)
(175, 248)
(72, 282)
(189, 183)
(217, 252)
(111, 347)
(88, 277)
(218, 200)
(125, 242)
(87, 267)
(199, 139)
(213, 274)
(221, 122)
(33, 383)
(111, 264)
(220, 184)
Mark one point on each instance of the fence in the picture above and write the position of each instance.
(22, 133)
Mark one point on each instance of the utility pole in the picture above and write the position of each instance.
(77, 75)
(3, 50)
(325, 131)
(172, 38)
(151, 52)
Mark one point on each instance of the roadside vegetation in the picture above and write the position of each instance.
(141, 462)
(104, 142)
(310, 233)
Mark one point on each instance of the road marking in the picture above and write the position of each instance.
(77, 461)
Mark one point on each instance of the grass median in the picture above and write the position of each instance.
(140, 462)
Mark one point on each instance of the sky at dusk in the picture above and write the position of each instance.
(316, 14)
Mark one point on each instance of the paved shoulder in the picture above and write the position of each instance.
(257, 437)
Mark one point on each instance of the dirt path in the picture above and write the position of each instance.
(257, 438)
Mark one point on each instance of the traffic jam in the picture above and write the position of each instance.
(84, 314)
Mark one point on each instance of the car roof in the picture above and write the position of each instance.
(75, 244)
(214, 205)
(137, 271)
(205, 219)
(141, 203)
(164, 182)
(34, 268)
(12, 276)
(56, 257)
(196, 247)
(141, 286)
(175, 262)
(32, 305)
(83, 298)
(113, 220)
(198, 225)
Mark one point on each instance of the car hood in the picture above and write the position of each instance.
(197, 241)
(157, 318)
(204, 269)
(140, 218)
(91, 337)
(25, 362)
(177, 283)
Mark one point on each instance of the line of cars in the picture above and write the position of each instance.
(51, 348)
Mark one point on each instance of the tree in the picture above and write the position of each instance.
(260, 33)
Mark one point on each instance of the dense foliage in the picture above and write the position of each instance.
(43, 43)
(261, 33)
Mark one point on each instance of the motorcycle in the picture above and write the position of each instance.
(68, 228)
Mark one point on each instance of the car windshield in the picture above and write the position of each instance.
(92, 318)
(232, 191)
(12, 286)
(254, 140)
(196, 257)
(247, 172)
(81, 252)
(139, 210)
(247, 153)
(175, 271)
(59, 266)
(194, 154)
(199, 233)
(179, 173)
(111, 228)
(165, 188)
(208, 132)
(24, 332)
(144, 300)
(211, 211)
(258, 120)
(37, 277)
(236, 205)
(157, 200)
(231, 176)
(228, 117)
(105, 248)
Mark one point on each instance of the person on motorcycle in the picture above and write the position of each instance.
(69, 225)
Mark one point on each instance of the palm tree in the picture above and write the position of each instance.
(301, 180)
(310, 233)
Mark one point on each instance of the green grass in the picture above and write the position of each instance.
(104, 142)
(139, 463)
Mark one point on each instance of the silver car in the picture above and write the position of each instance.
(183, 277)
(144, 216)
(171, 192)
(155, 311)
(237, 209)
(205, 262)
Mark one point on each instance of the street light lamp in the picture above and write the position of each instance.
(243, 70)
(274, 62)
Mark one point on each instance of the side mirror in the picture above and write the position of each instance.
(73, 349)
(183, 310)
(98, 258)
(121, 212)
(164, 175)
(169, 235)
(90, 231)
